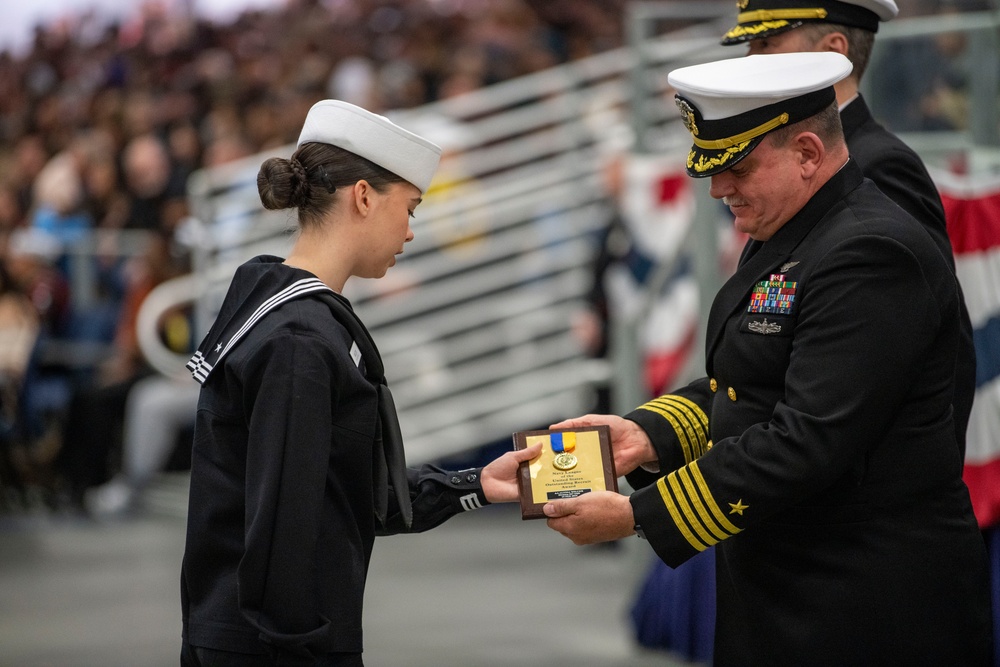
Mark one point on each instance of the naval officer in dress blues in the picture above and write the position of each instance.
(818, 455)
(849, 27)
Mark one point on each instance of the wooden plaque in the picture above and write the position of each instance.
(551, 475)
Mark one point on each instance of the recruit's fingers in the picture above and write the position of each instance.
(499, 477)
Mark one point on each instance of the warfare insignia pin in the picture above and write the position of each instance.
(687, 115)
(788, 265)
(764, 327)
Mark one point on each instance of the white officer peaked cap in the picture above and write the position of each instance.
(728, 106)
(374, 138)
(762, 18)
(884, 9)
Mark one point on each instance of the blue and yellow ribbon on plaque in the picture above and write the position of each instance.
(563, 443)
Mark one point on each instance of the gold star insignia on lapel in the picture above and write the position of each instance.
(788, 265)
(738, 507)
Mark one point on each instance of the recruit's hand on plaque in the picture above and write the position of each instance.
(598, 516)
(630, 444)
(499, 477)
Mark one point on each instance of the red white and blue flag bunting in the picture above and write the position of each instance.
(972, 209)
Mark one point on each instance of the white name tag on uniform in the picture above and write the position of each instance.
(356, 353)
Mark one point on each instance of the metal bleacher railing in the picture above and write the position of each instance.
(475, 323)
(972, 59)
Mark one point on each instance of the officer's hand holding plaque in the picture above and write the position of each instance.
(572, 462)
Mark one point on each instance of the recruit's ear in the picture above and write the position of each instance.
(363, 193)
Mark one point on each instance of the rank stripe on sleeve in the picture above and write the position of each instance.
(470, 501)
(684, 434)
(689, 488)
(676, 516)
(696, 523)
(688, 421)
(693, 508)
(710, 500)
(696, 418)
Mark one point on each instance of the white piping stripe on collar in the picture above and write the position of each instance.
(294, 290)
(200, 368)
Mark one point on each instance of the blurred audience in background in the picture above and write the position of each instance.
(918, 84)
(101, 126)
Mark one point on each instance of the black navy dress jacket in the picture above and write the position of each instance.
(833, 489)
(281, 518)
(898, 172)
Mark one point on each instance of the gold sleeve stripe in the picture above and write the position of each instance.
(688, 420)
(680, 409)
(698, 415)
(699, 481)
(706, 518)
(682, 436)
(676, 516)
(691, 441)
(693, 521)
(695, 417)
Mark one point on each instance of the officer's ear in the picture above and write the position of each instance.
(810, 151)
(833, 41)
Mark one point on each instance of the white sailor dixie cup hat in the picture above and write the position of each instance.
(729, 106)
(374, 138)
(762, 18)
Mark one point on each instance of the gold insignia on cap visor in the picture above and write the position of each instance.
(781, 15)
(729, 106)
(724, 142)
(742, 33)
(687, 115)
(763, 18)
(743, 137)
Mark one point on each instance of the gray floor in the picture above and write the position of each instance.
(484, 590)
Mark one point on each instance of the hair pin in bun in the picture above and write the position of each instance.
(324, 178)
